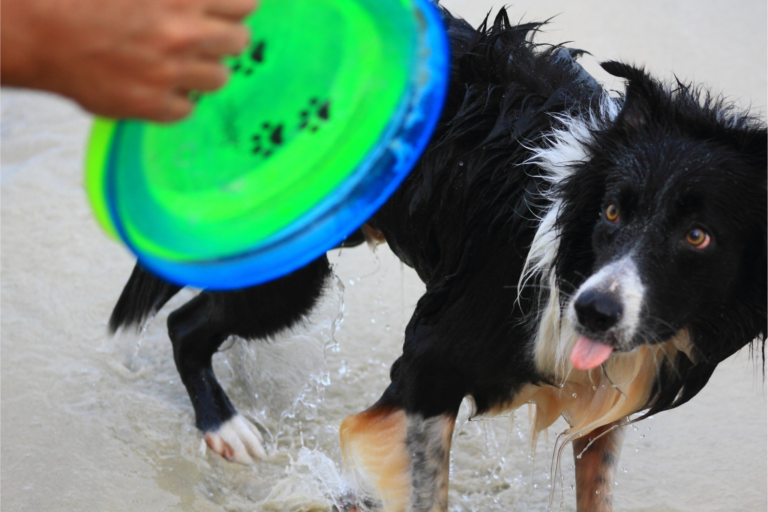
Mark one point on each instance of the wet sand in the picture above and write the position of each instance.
(94, 423)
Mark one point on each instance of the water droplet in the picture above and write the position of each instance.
(373, 320)
(642, 436)
(597, 492)
(594, 388)
(578, 456)
(574, 395)
(461, 164)
(351, 282)
(535, 486)
(571, 487)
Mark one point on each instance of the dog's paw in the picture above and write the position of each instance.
(237, 440)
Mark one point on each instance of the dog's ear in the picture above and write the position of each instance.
(642, 95)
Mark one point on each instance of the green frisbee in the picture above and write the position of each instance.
(324, 114)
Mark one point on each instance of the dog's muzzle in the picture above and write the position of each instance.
(606, 313)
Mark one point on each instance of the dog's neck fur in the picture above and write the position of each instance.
(562, 151)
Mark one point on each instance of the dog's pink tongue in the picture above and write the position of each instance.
(588, 354)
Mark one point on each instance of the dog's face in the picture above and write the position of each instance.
(678, 238)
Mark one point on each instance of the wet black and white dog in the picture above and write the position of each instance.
(594, 256)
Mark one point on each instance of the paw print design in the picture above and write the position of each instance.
(268, 140)
(249, 59)
(271, 136)
(313, 116)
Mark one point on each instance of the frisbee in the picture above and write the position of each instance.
(324, 115)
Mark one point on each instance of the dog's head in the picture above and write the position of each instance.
(663, 227)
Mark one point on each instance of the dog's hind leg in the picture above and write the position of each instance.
(596, 466)
(397, 452)
(398, 460)
(198, 328)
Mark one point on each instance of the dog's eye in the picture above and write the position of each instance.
(612, 213)
(698, 238)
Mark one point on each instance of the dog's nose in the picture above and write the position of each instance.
(597, 311)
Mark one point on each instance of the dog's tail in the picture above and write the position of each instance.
(142, 297)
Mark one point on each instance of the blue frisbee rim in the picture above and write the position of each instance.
(355, 200)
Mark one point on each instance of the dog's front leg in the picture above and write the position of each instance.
(596, 466)
(399, 460)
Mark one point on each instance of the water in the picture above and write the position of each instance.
(94, 423)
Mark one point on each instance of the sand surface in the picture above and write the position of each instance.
(93, 423)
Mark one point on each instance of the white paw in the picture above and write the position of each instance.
(237, 440)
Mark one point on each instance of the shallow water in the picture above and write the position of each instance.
(94, 423)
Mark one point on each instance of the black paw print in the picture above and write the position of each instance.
(271, 136)
(266, 142)
(249, 59)
(323, 113)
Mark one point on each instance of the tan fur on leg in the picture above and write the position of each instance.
(373, 445)
(595, 467)
(398, 461)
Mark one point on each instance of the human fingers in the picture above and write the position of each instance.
(149, 103)
(200, 75)
(172, 107)
(231, 9)
(218, 38)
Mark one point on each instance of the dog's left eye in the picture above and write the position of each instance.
(698, 238)
(612, 213)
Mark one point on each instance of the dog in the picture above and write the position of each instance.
(595, 256)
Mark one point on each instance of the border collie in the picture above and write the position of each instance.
(596, 256)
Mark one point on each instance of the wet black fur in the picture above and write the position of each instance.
(466, 216)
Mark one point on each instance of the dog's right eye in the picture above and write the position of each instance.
(612, 213)
(698, 238)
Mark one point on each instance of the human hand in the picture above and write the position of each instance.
(122, 58)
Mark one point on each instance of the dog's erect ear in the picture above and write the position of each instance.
(642, 94)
